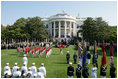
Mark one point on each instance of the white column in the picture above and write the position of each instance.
(48, 29)
(65, 29)
(51, 28)
(70, 28)
(59, 28)
(73, 29)
(54, 29)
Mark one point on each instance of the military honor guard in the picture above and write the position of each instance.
(112, 71)
(17, 73)
(18, 50)
(75, 58)
(43, 70)
(7, 73)
(89, 57)
(67, 57)
(85, 73)
(70, 70)
(23, 69)
(29, 73)
(103, 71)
(25, 60)
(61, 50)
(15, 68)
(7, 67)
(33, 68)
(78, 71)
(94, 71)
(40, 74)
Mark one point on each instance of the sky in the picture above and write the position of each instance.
(13, 10)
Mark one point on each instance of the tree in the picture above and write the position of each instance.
(35, 28)
(95, 29)
(113, 35)
(29, 28)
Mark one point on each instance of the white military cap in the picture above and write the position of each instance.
(29, 68)
(24, 55)
(88, 51)
(24, 63)
(42, 64)
(67, 51)
(33, 63)
(7, 63)
(16, 63)
(70, 63)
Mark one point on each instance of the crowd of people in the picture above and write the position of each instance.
(83, 54)
(24, 72)
(81, 70)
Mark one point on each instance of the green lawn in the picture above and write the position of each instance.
(56, 66)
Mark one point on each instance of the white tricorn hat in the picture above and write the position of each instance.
(33, 63)
(42, 64)
(70, 63)
(7, 63)
(16, 63)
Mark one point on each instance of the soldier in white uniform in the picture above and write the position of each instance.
(7, 67)
(43, 70)
(94, 71)
(7, 73)
(23, 69)
(17, 74)
(29, 73)
(39, 74)
(25, 59)
(33, 68)
(14, 68)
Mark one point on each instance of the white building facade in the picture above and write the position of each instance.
(63, 26)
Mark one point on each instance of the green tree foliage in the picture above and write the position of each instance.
(35, 28)
(25, 29)
(113, 36)
(95, 29)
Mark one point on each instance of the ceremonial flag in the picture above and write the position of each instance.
(84, 56)
(111, 52)
(84, 53)
(111, 49)
(94, 52)
(104, 60)
(79, 50)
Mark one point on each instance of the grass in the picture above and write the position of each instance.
(56, 66)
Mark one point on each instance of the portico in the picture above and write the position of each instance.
(62, 26)
(62, 29)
